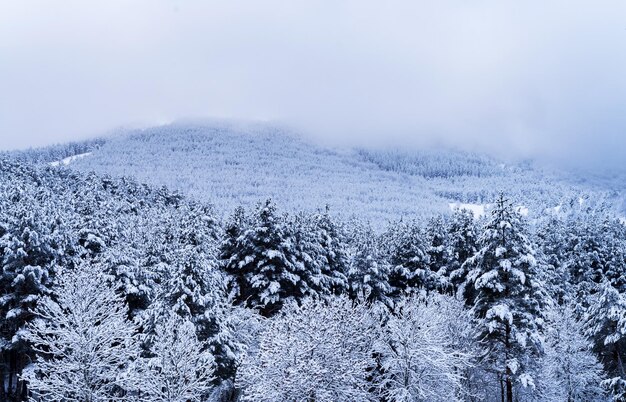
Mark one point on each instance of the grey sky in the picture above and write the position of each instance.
(535, 78)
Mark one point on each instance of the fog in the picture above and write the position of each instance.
(516, 78)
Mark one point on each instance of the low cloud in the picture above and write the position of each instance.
(521, 79)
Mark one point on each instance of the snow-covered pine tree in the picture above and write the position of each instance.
(605, 327)
(462, 242)
(324, 244)
(439, 254)
(410, 264)
(614, 247)
(29, 250)
(595, 252)
(193, 289)
(237, 224)
(509, 298)
(368, 271)
(261, 263)
(139, 263)
(551, 238)
(192, 286)
(84, 341)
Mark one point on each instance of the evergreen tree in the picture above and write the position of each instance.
(462, 242)
(605, 327)
(585, 263)
(262, 263)
(509, 297)
(439, 254)
(551, 237)
(194, 290)
(327, 260)
(237, 224)
(30, 248)
(410, 264)
(368, 272)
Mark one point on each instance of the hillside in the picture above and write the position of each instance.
(229, 164)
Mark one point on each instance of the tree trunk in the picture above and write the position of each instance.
(509, 382)
(3, 372)
(11, 373)
(509, 386)
(620, 365)
(501, 387)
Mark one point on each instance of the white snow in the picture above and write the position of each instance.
(513, 365)
(522, 210)
(69, 159)
(502, 312)
(477, 209)
(623, 220)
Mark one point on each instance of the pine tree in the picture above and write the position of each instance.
(439, 254)
(509, 298)
(410, 263)
(462, 243)
(237, 224)
(326, 261)
(29, 251)
(368, 272)
(605, 327)
(261, 263)
(194, 290)
(585, 258)
(551, 238)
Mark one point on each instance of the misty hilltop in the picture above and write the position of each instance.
(227, 164)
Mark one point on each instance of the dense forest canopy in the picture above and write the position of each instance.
(111, 289)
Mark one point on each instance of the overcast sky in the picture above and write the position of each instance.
(530, 78)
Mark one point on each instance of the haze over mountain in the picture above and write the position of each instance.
(227, 164)
(521, 79)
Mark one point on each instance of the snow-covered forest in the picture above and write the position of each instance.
(112, 289)
(312, 201)
(228, 164)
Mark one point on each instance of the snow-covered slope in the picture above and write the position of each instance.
(69, 159)
(228, 164)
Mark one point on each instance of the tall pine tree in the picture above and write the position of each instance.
(462, 243)
(509, 298)
(261, 262)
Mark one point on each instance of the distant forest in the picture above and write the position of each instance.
(228, 165)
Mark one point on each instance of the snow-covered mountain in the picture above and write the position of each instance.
(228, 164)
